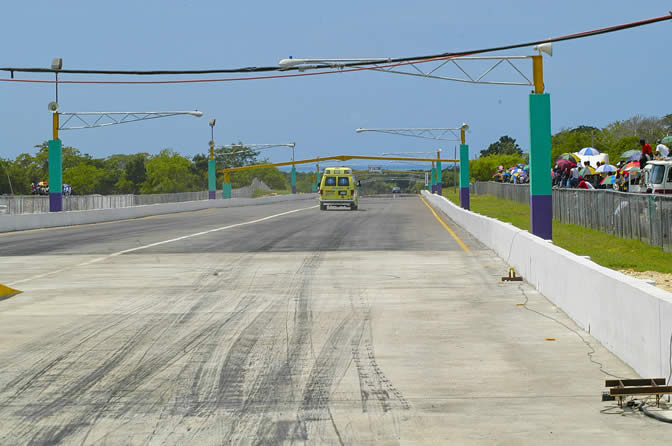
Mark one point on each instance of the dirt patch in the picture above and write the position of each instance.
(663, 280)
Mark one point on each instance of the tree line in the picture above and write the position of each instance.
(139, 173)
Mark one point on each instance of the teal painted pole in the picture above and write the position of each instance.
(541, 201)
(439, 187)
(226, 190)
(464, 176)
(433, 181)
(212, 180)
(293, 179)
(55, 157)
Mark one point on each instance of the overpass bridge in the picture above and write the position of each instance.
(280, 324)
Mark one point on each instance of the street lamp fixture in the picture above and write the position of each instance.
(305, 64)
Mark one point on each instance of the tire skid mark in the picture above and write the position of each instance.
(314, 415)
(128, 381)
(278, 382)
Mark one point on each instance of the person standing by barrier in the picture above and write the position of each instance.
(647, 153)
(574, 179)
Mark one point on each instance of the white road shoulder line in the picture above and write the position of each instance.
(151, 245)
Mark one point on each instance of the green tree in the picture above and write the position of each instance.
(505, 146)
(85, 179)
(168, 172)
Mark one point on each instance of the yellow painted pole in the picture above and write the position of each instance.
(55, 124)
(538, 74)
(462, 139)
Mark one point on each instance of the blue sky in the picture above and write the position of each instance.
(592, 81)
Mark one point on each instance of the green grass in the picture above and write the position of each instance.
(604, 249)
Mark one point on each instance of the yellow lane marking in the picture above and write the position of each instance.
(7, 292)
(443, 223)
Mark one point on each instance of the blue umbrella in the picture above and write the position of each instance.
(635, 157)
(589, 151)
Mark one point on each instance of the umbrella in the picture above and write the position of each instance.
(589, 151)
(631, 164)
(631, 168)
(666, 140)
(606, 168)
(635, 157)
(628, 153)
(569, 156)
(611, 179)
(565, 164)
(586, 170)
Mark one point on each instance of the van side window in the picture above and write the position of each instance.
(330, 181)
(669, 175)
(343, 181)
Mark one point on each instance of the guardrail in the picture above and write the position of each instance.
(643, 217)
(35, 204)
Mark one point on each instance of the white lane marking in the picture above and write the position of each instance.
(151, 245)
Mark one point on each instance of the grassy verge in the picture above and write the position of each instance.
(262, 193)
(604, 249)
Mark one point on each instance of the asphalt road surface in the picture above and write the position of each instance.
(282, 324)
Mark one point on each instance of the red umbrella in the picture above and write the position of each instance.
(565, 164)
(630, 165)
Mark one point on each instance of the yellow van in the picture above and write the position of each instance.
(338, 188)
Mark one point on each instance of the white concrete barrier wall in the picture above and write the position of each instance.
(35, 221)
(628, 316)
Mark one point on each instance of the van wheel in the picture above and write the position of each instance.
(353, 207)
(323, 207)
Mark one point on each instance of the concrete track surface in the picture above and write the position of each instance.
(282, 324)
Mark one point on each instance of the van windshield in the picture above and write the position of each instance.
(657, 174)
(343, 181)
(330, 181)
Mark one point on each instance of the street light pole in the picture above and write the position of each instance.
(87, 120)
(541, 206)
(541, 198)
(464, 168)
(212, 170)
(55, 150)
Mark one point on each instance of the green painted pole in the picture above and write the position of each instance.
(226, 187)
(212, 180)
(439, 187)
(55, 157)
(293, 179)
(226, 190)
(464, 176)
(541, 201)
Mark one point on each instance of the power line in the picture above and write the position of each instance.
(346, 67)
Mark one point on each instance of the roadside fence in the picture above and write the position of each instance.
(643, 217)
(34, 204)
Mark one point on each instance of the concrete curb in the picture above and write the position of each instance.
(9, 223)
(628, 316)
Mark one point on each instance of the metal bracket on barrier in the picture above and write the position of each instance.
(512, 277)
